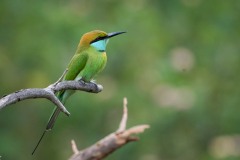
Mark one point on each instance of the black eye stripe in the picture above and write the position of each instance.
(98, 39)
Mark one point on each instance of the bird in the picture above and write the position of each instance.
(89, 59)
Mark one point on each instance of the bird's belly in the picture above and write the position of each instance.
(95, 64)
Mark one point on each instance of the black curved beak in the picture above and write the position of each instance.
(110, 35)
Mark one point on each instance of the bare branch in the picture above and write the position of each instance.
(49, 92)
(111, 142)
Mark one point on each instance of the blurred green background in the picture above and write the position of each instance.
(178, 65)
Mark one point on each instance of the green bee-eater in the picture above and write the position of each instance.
(89, 59)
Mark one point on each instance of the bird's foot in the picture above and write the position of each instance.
(82, 81)
(93, 82)
(98, 86)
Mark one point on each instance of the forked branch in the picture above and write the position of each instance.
(49, 92)
(111, 142)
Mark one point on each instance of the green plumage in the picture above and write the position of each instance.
(84, 65)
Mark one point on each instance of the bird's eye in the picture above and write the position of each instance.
(98, 39)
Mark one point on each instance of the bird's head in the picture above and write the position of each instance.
(97, 39)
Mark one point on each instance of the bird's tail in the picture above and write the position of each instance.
(51, 121)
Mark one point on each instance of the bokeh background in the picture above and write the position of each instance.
(178, 65)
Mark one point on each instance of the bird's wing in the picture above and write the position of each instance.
(76, 65)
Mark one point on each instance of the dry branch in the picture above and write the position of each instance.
(111, 142)
(49, 92)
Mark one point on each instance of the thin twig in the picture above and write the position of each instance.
(62, 76)
(74, 147)
(123, 122)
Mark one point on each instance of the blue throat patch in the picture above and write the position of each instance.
(100, 45)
